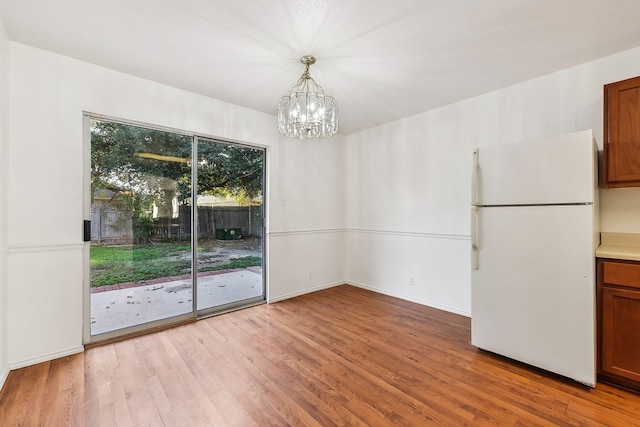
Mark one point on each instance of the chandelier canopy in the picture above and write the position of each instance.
(307, 111)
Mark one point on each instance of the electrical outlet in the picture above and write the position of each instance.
(310, 275)
(411, 281)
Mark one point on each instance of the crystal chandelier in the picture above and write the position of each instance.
(307, 111)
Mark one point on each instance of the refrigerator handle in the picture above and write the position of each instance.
(475, 256)
(474, 178)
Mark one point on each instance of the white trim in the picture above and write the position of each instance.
(4, 370)
(46, 248)
(409, 234)
(304, 291)
(46, 357)
(372, 289)
(3, 377)
(410, 299)
(303, 232)
(369, 231)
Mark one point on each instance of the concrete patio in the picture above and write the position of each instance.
(120, 308)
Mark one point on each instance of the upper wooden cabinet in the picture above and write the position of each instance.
(621, 166)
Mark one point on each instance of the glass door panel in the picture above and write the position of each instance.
(230, 215)
(140, 256)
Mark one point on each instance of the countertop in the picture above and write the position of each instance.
(619, 246)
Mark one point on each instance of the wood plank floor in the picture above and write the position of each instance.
(342, 356)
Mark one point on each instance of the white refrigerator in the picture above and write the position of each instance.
(534, 231)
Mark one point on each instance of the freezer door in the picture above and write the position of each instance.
(533, 295)
(562, 169)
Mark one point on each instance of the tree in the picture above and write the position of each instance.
(124, 156)
(147, 167)
(229, 170)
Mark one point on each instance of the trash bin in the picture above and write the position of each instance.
(228, 233)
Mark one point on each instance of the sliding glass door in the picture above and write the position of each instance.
(230, 225)
(140, 255)
(143, 253)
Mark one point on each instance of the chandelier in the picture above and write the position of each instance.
(307, 111)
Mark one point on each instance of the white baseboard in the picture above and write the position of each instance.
(3, 377)
(373, 289)
(410, 299)
(46, 358)
(271, 300)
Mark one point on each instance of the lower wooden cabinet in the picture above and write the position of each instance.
(618, 299)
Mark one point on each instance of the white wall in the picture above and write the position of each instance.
(49, 93)
(4, 179)
(307, 217)
(408, 181)
(371, 208)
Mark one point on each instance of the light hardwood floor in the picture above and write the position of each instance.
(342, 356)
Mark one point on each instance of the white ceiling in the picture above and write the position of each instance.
(381, 59)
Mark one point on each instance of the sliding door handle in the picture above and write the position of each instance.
(86, 231)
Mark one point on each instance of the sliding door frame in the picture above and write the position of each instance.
(224, 308)
(194, 314)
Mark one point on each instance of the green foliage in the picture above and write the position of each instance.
(138, 163)
(229, 170)
(149, 170)
(242, 262)
(134, 263)
(104, 255)
(143, 228)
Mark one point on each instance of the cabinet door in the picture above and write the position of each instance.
(621, 333)
(622, 133)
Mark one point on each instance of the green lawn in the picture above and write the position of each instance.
(132, 263)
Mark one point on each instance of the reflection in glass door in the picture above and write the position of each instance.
(143, 252)
(230, 225)
(140, 255)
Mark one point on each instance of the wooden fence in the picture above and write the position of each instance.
(110, 225)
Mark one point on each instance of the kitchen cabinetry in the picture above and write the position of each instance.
(619, 322)
(621, 155)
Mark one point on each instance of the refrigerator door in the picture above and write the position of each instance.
(554, 170)
(533, 296)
